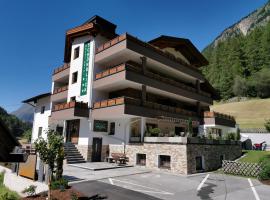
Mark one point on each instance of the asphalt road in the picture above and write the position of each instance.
(157, 185)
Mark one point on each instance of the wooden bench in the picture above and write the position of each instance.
(118, 158)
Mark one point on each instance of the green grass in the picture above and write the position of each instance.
(5, 193)
(248, 114)
(254, 156)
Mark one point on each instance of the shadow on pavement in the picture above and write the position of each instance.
(205, 192)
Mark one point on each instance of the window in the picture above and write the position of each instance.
(164, 161)
(112, 128)
(73, 98)
(39, 131)
(74, 77)
(76, 53)
(141, 159)
(100, 126)
(42, 109)
(199, 163)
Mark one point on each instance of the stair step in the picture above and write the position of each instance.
(73, 156)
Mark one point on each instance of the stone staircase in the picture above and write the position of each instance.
(73, 156)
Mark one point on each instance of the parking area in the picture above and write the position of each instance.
(159, 185)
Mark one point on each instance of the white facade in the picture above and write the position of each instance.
(224, 129)
(41, 120)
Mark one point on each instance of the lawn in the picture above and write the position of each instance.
(248, 114)
(5, 193)
(254, 156)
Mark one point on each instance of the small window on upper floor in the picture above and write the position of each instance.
(39, 131)
(76, 53)
(42, 109)
(73, 98)
(74, 77)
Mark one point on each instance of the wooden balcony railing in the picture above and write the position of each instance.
(62, 68)
(61, 89)
(211, 114)
(137, 69)
(144, 44)
(147, 104)
(72, 104)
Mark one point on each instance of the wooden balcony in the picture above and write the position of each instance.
(215, 118)
(136, 106)
(70, 110)
(61, 89)
(61, 72)
(130, 66)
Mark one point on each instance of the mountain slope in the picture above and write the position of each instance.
(258, 18)
(16, 126)
(248, 114)
(25, 113)
(240, 56)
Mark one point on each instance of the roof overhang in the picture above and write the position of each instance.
(184, 46)
(35, 98)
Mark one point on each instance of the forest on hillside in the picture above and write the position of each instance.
(240, 65)
(15, 125)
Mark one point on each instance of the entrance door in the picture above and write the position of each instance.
(73, 128)
(96, 149)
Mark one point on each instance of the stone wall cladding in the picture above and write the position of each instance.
(182, 155)
(211, 155)
(152, 151)
(85, 151)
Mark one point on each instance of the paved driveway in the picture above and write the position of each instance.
(156, 185)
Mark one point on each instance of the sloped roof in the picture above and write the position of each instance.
(184, 46)
(35, 98)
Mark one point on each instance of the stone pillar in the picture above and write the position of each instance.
(144, 60)
(198, 86)
(143, 124)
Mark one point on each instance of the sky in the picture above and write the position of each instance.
(32, 32)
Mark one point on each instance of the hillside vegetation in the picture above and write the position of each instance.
(240, 62)
(248, 114)
(15, 125)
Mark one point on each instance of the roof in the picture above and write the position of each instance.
(184, 46)
(101, 21)
(35, 98)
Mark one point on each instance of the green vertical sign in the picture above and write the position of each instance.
(85, 67)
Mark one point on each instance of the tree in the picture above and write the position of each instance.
(240, 87)
(267, 125)
(50, 151)
(28, 135)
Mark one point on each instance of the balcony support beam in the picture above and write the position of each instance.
(144, 61)
(198, 86)
(143, 124)
(198, 108)
(143, 94)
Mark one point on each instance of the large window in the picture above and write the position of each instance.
(76, 53)
(100, 126)
(164, 161)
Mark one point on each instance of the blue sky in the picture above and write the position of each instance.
(33, 32)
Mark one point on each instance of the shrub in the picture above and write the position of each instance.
(59, 184)
(74, 196)
(8, 195)
(265, 172)
(30, 191)
(154, 132)
(267, 125)
(230, 136)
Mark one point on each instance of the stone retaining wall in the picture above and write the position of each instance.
(183, 156)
